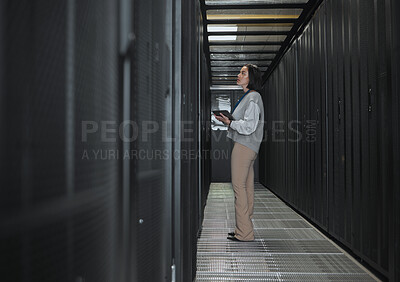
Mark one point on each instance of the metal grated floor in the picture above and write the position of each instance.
(286, 248)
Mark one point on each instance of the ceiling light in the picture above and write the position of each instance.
(221, 28)
(248, 17)
(222, 38)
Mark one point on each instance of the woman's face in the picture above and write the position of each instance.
(243, 77)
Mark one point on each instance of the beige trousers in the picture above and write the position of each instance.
(242, 168)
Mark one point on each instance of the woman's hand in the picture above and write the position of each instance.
(223, 119)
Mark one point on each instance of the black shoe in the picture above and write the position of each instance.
(231, 233)
(233, 238)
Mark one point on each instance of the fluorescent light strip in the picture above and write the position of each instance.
(248, 17)
(222, 38)
(221, 28)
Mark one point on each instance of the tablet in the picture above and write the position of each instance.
(225, 113)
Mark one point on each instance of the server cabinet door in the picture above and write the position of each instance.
(151, 153)
(336, 100)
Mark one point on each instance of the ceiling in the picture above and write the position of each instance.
(238, 32)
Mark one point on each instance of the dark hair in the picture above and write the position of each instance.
(254, 77)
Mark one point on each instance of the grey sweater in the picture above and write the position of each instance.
(248, 126)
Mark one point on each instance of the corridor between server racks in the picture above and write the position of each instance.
(114, 169)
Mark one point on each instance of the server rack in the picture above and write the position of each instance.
(393, 48)
(59, 209)
(342, 181)
(80, 200)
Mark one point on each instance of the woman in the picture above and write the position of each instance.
(246, 130)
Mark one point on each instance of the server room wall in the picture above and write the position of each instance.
(73, 206)
(204, 114)
(332, 92)
(151, 175)
(58, 206)
(205, 135)
(189, 144)
(153, 197)
(394, 48)
(194, 91)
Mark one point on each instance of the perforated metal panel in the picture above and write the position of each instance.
(59, 210)
(151, 111)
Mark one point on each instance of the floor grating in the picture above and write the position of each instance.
(286, 247)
